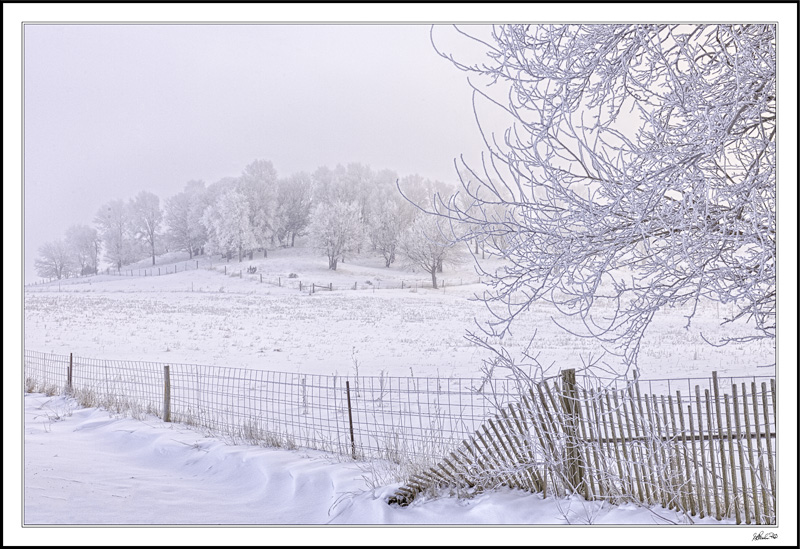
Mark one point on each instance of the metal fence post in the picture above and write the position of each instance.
(350, 415)
(69, 375)
(166, 394)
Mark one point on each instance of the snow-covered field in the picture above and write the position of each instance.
(202, 316)
(85, 466)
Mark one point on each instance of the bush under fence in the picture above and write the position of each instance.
(680, 443)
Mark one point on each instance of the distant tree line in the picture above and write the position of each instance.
(342, 211)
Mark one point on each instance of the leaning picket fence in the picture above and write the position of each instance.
(705, 454)
(675, 443)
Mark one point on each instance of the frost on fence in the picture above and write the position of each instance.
(702, 453)
(703, 446)
(401, 419)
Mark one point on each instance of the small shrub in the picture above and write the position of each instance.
(293, 275)
(30, 385)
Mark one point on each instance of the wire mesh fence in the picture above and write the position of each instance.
(708, 451)
(312, 287)
(397, 418)
(250, 274)
(705, 445)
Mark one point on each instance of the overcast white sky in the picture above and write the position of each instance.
(112, 109)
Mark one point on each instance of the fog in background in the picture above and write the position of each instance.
(113, 109)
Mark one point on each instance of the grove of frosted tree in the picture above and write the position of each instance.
(339, 212)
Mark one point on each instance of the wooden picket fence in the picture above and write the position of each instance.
(707, 454)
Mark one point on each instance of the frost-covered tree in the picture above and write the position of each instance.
(336, 230)
(357, 185)
(146, 220)
(328, 185)
(258, 184)
(386, 230)
(638, 173)
(54, 260)
(228, 223)
(115, 226)
(293, 207)
(428, 244)
(83, 244)
(183, 218)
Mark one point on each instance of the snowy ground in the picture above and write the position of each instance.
(149, 472)
(83, 466)
(205, 317)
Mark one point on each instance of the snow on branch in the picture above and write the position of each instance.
(639, 173)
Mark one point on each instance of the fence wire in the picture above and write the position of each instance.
(702, 445)
(397, 418)
(706, 453)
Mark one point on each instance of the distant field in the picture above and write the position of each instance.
(200, 315)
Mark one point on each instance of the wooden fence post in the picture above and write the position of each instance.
(570, 401)
(721, 437)
(166, 394)
(350, 415)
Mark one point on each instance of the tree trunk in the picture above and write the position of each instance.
(433, 279)
(293, 235)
